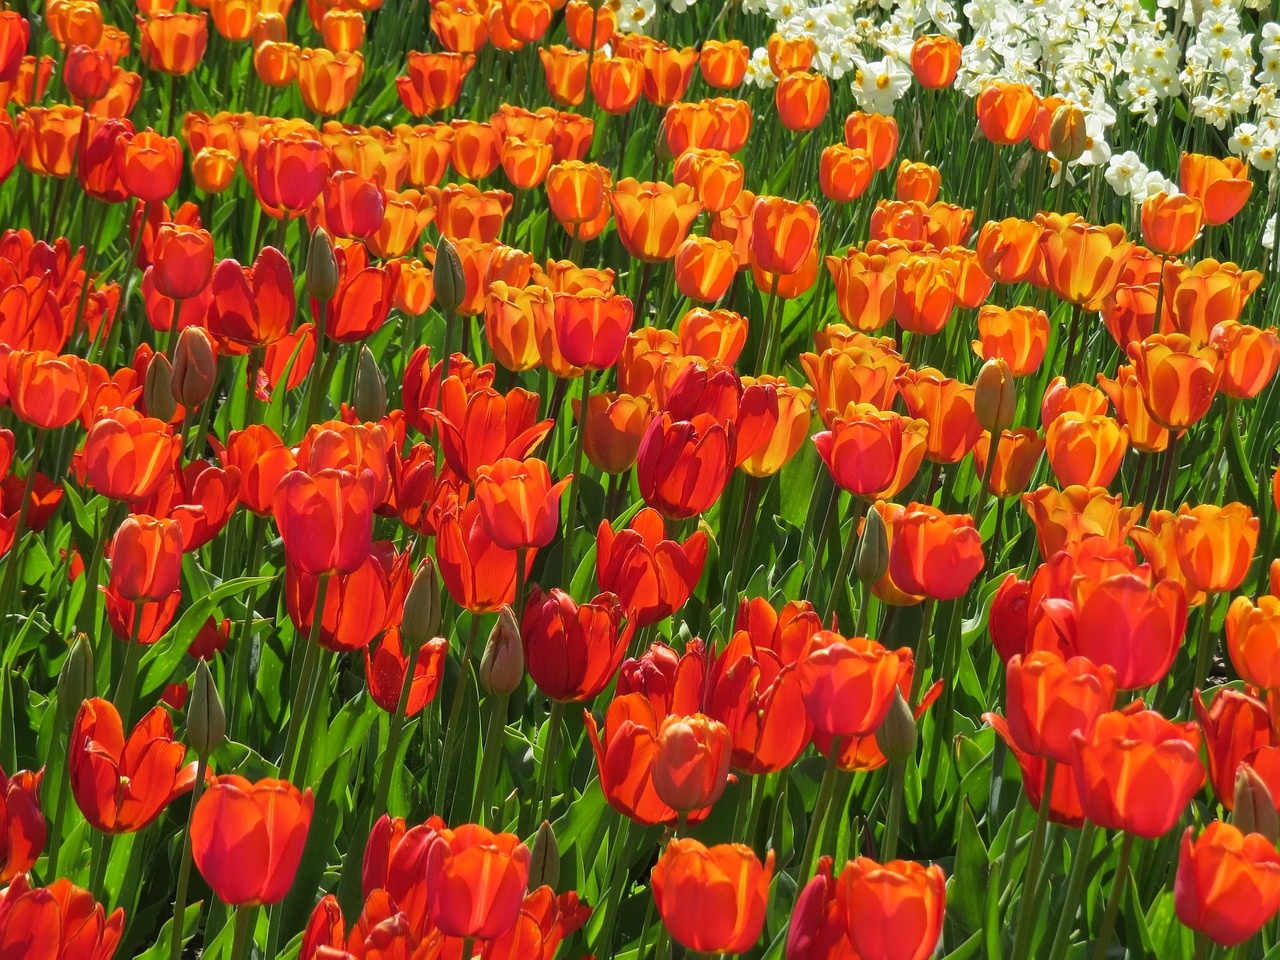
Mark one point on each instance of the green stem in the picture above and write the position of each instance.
(1118, 883)
(184, 871)
(99, 854)
(984, 491)
(455, 709)
(14, 563)
(820, 806)
(1031, 887)
(241, 698)
(892, 826)
(123, 697)
(242, 938)
(923, 650)
(603, 947)
(492, 752)
(1205, 644)
(393, 738)
(554, 722)
(571, 516)
(857, 509)
(310, 657)
(1075, 887)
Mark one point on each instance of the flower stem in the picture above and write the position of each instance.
(554, 722)
(394, 736)
(310, 658)
(923, 650)
(242, 938)
(1075, 887)
(893, 820)
(1031, 885)
(1118, 883)
(123, 697)
(856, 512)
(820, 806)
(571, 516)
(184, 871)
(492, 753)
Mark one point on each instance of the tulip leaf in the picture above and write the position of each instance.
(190, 924)
(966, 891)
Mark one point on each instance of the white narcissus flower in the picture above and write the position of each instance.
(1124, 172)
(880, 84)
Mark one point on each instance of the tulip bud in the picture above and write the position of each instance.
(322, 266)
(995, 399)
(662, 147)
(420, 620)
(896, 737)
(75, 679)
(157, 390)
(449, 279)
(206, 721)
(1067, 137)
(1254, 811)
(871, 562)
(195, 367)
(502, 666)
(544, 868)
(371, 388)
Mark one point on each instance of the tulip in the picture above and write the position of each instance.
(173, 43)
(616, 83)
(864, 449)
(479, 575)
(683, 466)
(1235, 727)
(122, 785)
(128, 456)
(591, 328)
(1006, 112)
(1253, 640)
(262, 460)
(481, 427)
(1050, 699)
(691, 761)
(476, 881)
(60, 920)
(519, 506)
(653, 577)
(15, 34)
(433, 81)
(1178, 378)
(892, 911)
(924, 295)
(934, 554)
(712, 335)
(566, 73)
(783, 232)
(291, 170)
(844, 172)
(325, 518)
(667, 72)
(849, 684)
(1017, 454)
(802, 99)
(1019, 336)
(1171, 224)
(1125, 750)
(1215, 545)
(1222, 186)
(247, 838)
(712, 899)
(947, 406)
(573, 650)
(653, 218)
(146, 558)
(1010, 249)
(875, 134)
(1228, 883)
(1082, 263)
(935, 61)
(615, 425)
(1085, 451)
(590, 25)
(1251, 356)
(328, 80)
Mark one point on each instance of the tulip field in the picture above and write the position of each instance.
(532, 479)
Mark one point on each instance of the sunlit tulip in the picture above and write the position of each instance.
(1006, 112)
(1082, 262)
(1222, 186)
(566, 73)
(146, 558)
(479, 575)
(802, 99)
(1019, 336)
(247, 838)
(877, 899)
(1171, 224)
(683, 466)
(123, 784)
(433, 81)
(616, 83)
(1009, 249)
(924, 295)
(616, 423)
(519, 505)
(935, 61)
(325, 519)
(716, 178)
(15, 34)
(934, 554)
(1085, 450)
(1178, 378)
(1017, 454)
(476, 881)
(947, 406)
(173, 43)
(844, 172)
(653, 218)
(849, 684)
(783, 233)
(1136, 771)
(460, 26)
(62, 918)
(149, 165)
(864, 449)
(590, 25)
(652, 576)
(572, 650)
(1235, 727)
(874, 133)
(667, 72)
(723, 63)
(1251, 356)
(1215, 545)
(1050, 699)
(712, 899)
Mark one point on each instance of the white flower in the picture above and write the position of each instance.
(880, 84)
(1124, 172)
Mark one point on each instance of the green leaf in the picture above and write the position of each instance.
(969, 874)
(190, 924)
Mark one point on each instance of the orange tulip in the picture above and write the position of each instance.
(247, 838)
(566, 73)
(578, 193)
(476, 149)
(589, 25)
(691, 761)
(935, 61)
(849, 684)
(149, 165)
(1178, 379)
(123, 784)
(1129, 399)
(213, 169)
(723, 63)
(15, 34)
(854, 374)
(705, 267)
(1019, 336)
(1085, 450)
(1228, 883)
(146, 558)
(713, 335)
(652, 576)
(44, 389)
(1082, 262)
(1215, 545)
(459, 26)
(1010, 249)
(802, 99)
(479, 575)
(433, 81)
(790, 53)
(934, 554)
(874, 133)
(328, 80)
(1253, 640)
(874, 900)
(712, 899)
(325, 519)
(947, 405)
(1171, 224)
(865, 450)
(716, 178)
(783, 234)
(591, 328)
(1222, 186)
(616, 83)
(683, 466)
(667, 72)
(917, 182)
(476, 881)
(290, 170)
(1208, 293)
(127, 456)
(1006, 112)
(653, 218)
(519, 506)
(1051, 699)
(1016, 457)
(924, 295)
(510, 321)
(482, 426)
(1127, 750)
(1251, 356)
(844, 172)
(173, 43)
(615, 425)
(525, 162)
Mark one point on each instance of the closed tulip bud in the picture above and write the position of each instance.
(450, 280)
(322, 266)
(1067, 136)
(897, 735)
(1254, 811)
(371, 388)
(995, 399)
(157, 389)
(75, 679)
(502, 666)
(871, 562)
(421, 618)
(195, 367)
(206, 720)
(544, 864)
